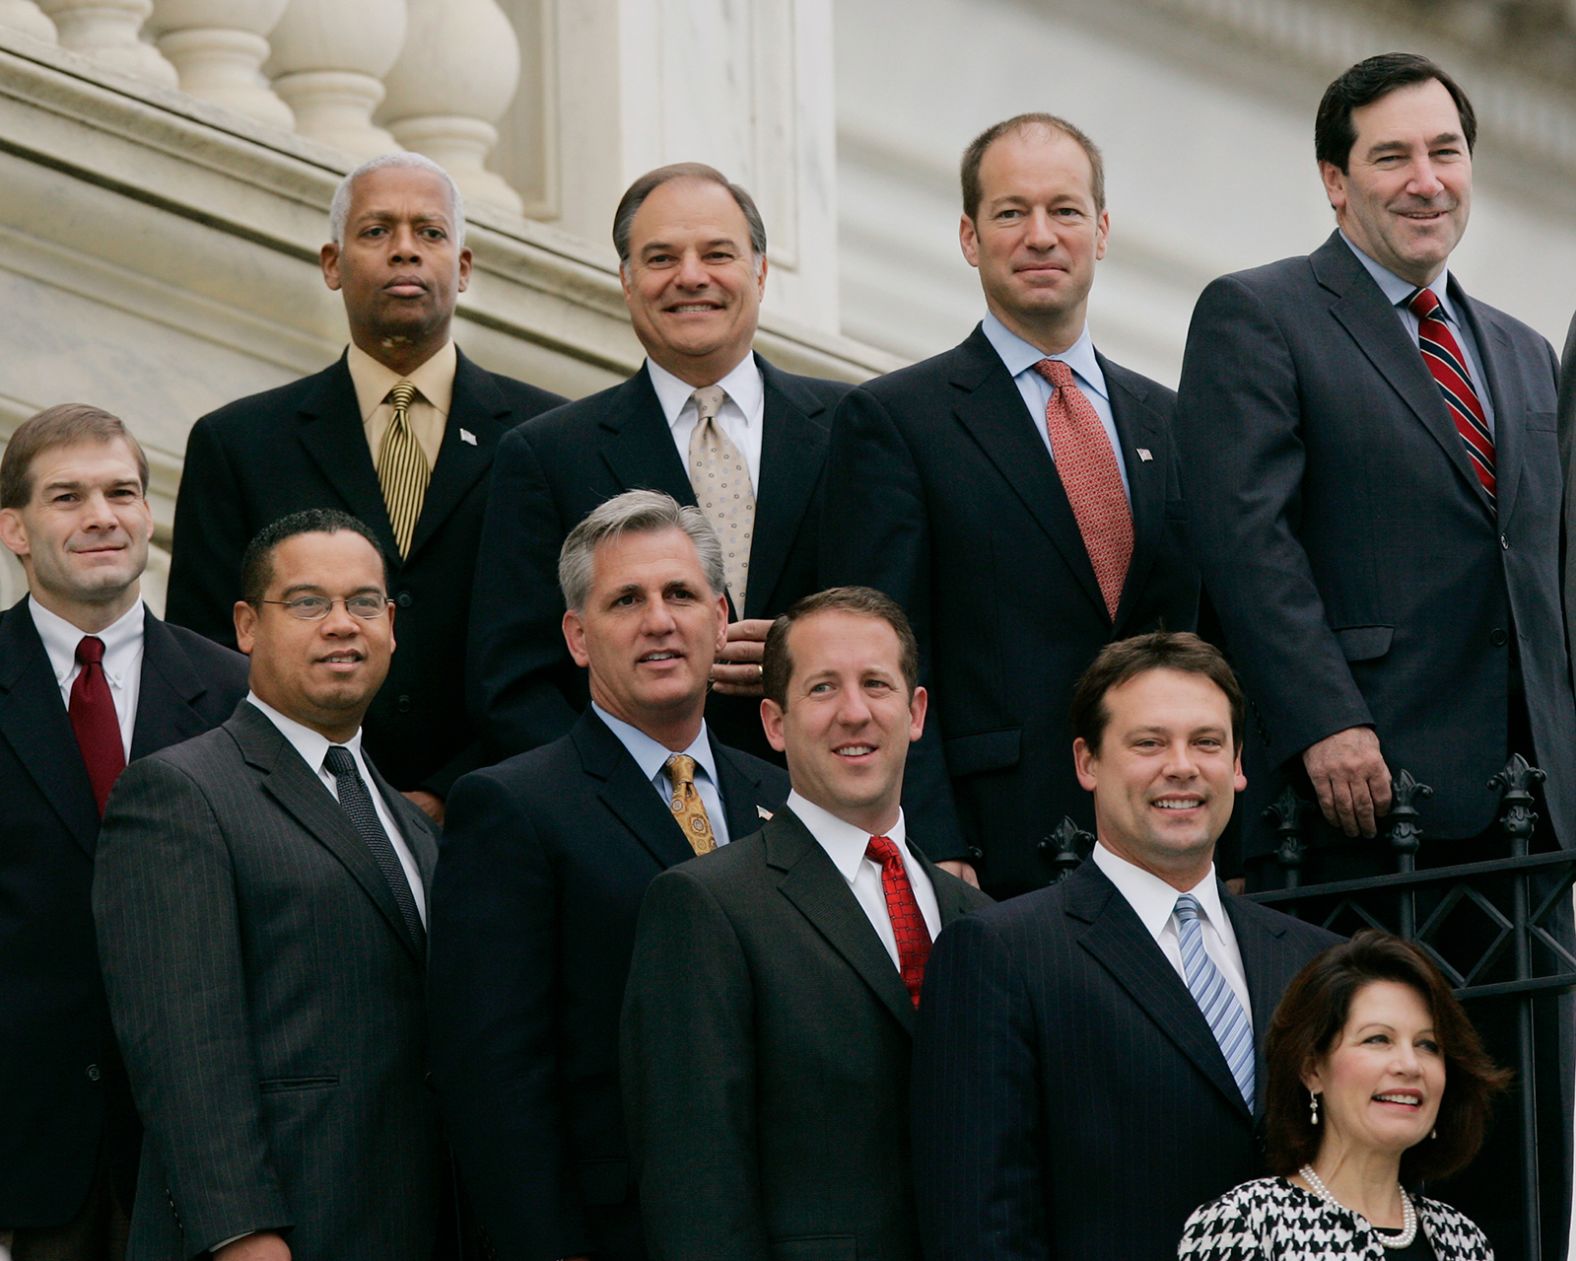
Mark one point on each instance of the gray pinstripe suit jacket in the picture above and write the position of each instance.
(269, 1003)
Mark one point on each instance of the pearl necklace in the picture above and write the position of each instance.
(1408, 1213)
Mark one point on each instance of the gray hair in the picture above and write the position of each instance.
(339, 208)
(635, 195)
(635, 512)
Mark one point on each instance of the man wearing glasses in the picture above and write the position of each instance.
(260, 897)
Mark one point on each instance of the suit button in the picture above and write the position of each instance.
(402, 705)
(1504, 543)
(1497, 637)
(93, 1073)
(404, 599)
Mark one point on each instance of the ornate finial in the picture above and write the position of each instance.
(1064, 848)
(1517, 818)
(1286, 813)
(1404, 832)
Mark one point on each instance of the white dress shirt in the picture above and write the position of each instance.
(122, 659)
(1155, 902)
(652, 758)
(313, 748)
(742, 415)
(845, 846)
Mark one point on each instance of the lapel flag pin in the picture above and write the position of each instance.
(763, 812)
(467, 436)
(1143, 453)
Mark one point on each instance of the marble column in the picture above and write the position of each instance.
(327, 62)
(218, 48)
(24, 16)
(107, 31)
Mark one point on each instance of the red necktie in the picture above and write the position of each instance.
(1442, 354)
(908, 925)
(1087, 466)
(93, 718)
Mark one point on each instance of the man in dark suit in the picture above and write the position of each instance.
(1071, 1097)
(416, 474)
(1567, 430)
(260, 897)
(541, 873)
(1018, 495)
(770, 1007)
(705, 420)
(89, 678)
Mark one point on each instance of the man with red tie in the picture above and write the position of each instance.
(88, 678)
(769, 1012)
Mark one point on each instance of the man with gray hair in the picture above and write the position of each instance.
(400, 432)
(540, 876)
(705, 420)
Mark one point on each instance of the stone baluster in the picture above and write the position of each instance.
(218, 48)
(455, 76)
(327, 61)
(107, 32)
(25, 16)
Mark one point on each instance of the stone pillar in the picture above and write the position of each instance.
(456, 75)
(218, 48)
(327, 62)
(24, 16)
(106, 31)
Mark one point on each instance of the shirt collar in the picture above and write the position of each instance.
(1397, 290)
(434, 380)
(1021, 356)
(652, 755)
(843, 842)
(122, 641)
(312, 745)
(743, 385)
(1151, 898)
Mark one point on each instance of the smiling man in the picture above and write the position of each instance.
(260, 897)
(1089, 1059)
(1021, 454)
(543, 865)
(705, 419)
(767, 1028)
(401, 433)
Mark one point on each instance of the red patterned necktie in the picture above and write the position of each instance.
(908, 925)
(93, 718)
(1087, 466)
(1442, 354)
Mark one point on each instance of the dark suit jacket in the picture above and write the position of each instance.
(542, 867)
(61, 1081)
(1070, 1100)
(551, 473)
(303, 446)
(1567, 428)
(940, 493)
(1360, 573)
(269, 1002)
(765, 1051)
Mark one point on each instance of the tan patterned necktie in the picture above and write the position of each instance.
(687, 806)
(721, 480)
(402, 468)
(1087, 466)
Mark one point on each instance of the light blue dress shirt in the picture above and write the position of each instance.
(652, 758)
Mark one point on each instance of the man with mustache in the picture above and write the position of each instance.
(1373, 485)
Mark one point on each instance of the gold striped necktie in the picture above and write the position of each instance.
(402, 468)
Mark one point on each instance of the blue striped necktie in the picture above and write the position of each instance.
(1227, 1021)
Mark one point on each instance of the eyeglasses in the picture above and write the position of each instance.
(314, 608)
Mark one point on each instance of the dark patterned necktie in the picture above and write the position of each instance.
(357, 803)
(93, 718)
(908, 925)
(1448, 366)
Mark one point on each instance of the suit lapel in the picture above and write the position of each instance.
(626, 792)
(412, 823)
(331, 431)
(814, 885)
(167, 694)
(990, 408)
(1494, 353)
(793, 451)
(1118, 942)
(1261, 942)
(302, 795)
(34, 722)
(637, 445)
(743, 798)
(1139, 427)
(479, 409)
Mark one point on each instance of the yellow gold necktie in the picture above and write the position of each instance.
(721, 479)
(402, 468)
(687, 806)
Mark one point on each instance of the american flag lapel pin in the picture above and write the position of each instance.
(467, 437)
(1144, 455)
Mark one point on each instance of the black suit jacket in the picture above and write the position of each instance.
(303, 446)
(1567, 431)
(940, 493)
(1070, 1100)
(1360, 573)
(551, 473)
(765, 1048)
(61, 1081)
(269, 1000)
(544, 861)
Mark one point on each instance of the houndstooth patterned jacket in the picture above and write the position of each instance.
(1272, 1220)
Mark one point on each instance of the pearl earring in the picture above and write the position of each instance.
(1313, 1108)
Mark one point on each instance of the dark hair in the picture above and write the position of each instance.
(975, 154)
(777, 663)
(635, 195)
(59, 426)
(1333, 131)
(1158, 650)
(257, 563)
(1309, 1020)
